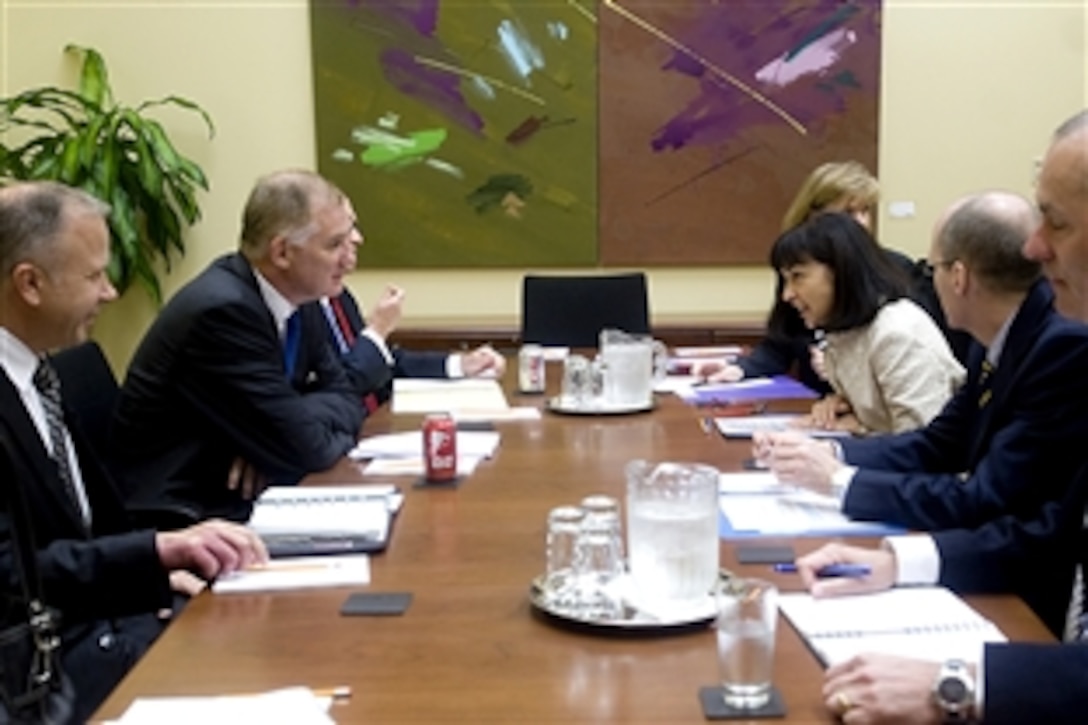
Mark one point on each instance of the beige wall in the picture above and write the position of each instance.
(970, 93)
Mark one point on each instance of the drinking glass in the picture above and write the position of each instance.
(564, 530)
(577, 380)
(598, 567)
(747, 613)
(607, 509)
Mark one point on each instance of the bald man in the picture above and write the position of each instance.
(1014, 682)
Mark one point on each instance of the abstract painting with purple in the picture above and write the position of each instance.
(502, 133)
(713, 112)
(464, 131)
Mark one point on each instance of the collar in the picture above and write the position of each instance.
(276, 303)
(993, 352)
(18, 360)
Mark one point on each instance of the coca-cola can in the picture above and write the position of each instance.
(440, 447)
(531, 369)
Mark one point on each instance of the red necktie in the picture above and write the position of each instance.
(369, 400)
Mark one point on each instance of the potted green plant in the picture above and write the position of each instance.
(117, 153)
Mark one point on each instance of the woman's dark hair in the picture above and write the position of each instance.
(864, 278)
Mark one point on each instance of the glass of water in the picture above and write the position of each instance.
(747, 614)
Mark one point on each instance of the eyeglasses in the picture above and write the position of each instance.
(928, 268)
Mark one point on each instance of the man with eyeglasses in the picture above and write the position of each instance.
(1010, 439)
(1012, 682)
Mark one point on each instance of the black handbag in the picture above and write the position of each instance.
(33, 686)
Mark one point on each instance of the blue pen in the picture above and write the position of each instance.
(831, 570)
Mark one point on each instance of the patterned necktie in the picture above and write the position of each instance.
(985, 385)
(370, 400)
(48, 385)
(291, 334)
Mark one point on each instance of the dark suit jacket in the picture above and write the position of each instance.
(1020, 450)
(208, 384)
(366, 366)
(1036, 683)
(1044, 683)
(106, 586)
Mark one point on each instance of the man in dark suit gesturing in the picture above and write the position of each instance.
(371, 364)
(107, 579)
(1014, 682)
(234, 375)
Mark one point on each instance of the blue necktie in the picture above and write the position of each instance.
(291, 336)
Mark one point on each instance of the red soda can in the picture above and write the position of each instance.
(440, 447)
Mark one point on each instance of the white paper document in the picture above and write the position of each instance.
(675, 383)
(752, 482)
(415, 395)
(290, 706)
(474, 444)
(924, 622)
(512, 414)
(708, 351)
(796, 512)
(414, 466)
(304, 572)
(744, 426)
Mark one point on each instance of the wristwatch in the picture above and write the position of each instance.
(954, 692)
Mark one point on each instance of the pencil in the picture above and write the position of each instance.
(340, 692)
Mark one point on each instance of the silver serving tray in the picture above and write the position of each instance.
(596, 406)
(632, 621)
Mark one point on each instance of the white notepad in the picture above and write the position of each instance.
(326, 510)
(923, 622)
(414, 395)
(304, 572)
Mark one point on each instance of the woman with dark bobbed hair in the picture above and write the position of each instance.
(836, 186)
(887, 362)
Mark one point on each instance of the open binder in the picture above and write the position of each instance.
(928, 623)
(314, 520)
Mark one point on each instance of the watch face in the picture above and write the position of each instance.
(952, 690)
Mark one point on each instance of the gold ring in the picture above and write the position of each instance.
(843, 701)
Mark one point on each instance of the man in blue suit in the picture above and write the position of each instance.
(369, 361)
(235, 374)
(1021, 682)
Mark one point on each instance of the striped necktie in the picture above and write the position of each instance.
(347, 334)
(48, 385)
(985, 384)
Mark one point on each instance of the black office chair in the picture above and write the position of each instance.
(572, 310)
(91, 392)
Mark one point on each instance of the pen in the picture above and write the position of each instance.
(831, 570)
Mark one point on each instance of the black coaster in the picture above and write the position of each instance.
(714, 707)
(422, 482)
(748, 554)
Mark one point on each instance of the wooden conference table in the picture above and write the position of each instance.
(469, 649)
